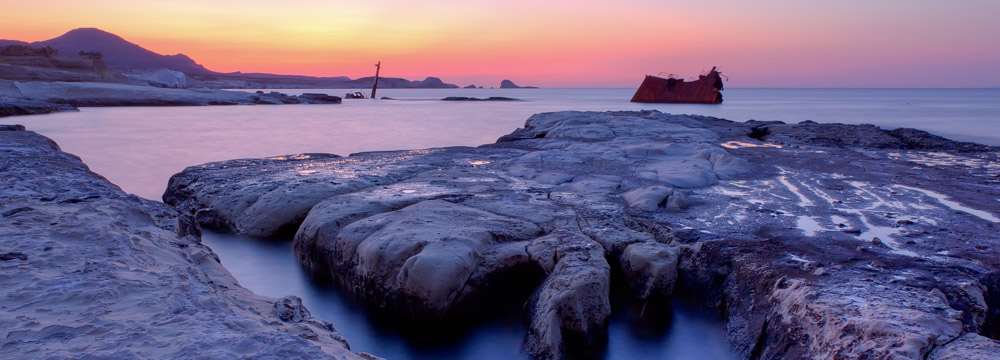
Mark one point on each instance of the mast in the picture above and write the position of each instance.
(375, 86)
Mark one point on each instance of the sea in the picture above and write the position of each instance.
(139, 148)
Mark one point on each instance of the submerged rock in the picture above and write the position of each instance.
(692, 206)
(13, 107)
(92, 272)
(491, 98)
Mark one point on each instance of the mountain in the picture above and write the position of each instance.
(122, 55)
(119, 54)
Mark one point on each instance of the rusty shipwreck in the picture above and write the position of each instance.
(706, 90)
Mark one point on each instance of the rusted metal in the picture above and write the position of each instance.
(706, 90)
(375, 86)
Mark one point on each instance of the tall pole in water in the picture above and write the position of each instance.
(375, 86)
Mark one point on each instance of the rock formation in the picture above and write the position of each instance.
(507, 84)
(92, 272)
(20, 98)
(26, 63)
(815, 240)
(491, 98)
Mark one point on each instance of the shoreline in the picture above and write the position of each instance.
(92, 271)
(36, 97)
(747, 264)
(643, 225)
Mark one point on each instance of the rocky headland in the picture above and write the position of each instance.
(813, 240)
(89, 271)
(36, 97)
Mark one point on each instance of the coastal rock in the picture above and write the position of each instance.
(12, 102)
(650, 269)
(92, 272)
(652, 198)
(315, 98)
(491, 98)
(14, 107)
(507, 84)
(569, 311)
(112, 94)
(424, 269)
(160, 78)
(785, 227)
(968, 347)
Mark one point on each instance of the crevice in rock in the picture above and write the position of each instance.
(651, 315)
(991, 325)
(662, 233)
(759, 132)
(758, 347)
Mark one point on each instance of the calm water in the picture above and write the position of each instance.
(139, 148)
(267, 268)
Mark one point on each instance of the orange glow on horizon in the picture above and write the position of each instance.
(557, 43)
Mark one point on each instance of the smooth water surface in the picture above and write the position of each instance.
(268, 268)
(138, 148)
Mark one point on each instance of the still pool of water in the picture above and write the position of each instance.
(268, 268)
(139, 148)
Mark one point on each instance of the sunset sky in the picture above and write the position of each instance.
(774, 43)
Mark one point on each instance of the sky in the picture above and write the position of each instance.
(556, 43)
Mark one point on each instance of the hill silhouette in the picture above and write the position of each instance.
(119, 53)
(124, 56)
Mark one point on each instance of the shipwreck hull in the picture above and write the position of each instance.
(706, 90)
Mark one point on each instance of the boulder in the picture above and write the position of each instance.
(569, 311)
(650, 268)
(652, 198)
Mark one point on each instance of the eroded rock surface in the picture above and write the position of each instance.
(817, 240)
(91, 272)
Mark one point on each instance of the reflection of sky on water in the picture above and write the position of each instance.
(138, 148)
(269, 268)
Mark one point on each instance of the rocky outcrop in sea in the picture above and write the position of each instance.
(507, 84)
(24, 98)
(89, 271)
(813, 240)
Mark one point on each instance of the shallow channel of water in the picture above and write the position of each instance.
(269, 268)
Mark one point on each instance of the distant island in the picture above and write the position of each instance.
(507, 84)
(127, 62)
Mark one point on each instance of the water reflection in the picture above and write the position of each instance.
(269, 268)
(138, 148)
